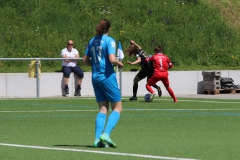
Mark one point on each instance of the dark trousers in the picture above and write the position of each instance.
(76, 70)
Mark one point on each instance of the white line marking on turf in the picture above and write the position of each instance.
(194, 101)
(137, 109)
(229, 109)
(161, 99)
(94, 151)
(207, 101)
(125, 98)
(42, 111)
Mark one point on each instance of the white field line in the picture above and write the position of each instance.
(159, 99)
(45, 111)
(205, 101)
(188, 100)
(95, 151)
(173, 109)
(201, 109)
(48, 111)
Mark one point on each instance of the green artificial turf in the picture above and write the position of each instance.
(63, 128)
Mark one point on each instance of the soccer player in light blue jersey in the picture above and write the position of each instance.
(100, 55)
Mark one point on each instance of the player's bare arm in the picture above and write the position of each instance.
(114, 61)
(87, 60)
(132, 42)
(135, 62)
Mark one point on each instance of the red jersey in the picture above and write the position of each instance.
(161, 63)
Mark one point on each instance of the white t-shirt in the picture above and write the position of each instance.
(69, 54)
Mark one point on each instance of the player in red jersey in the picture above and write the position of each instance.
(161, 64)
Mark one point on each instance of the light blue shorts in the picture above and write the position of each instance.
(107, 90)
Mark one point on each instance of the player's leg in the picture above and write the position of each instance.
(112, 92)
(170, 91)
(158, 89)
(141, 75)
(166, 83)
(135, 88)
(113, 117)
(150, 74)
(150, 82)
(111, 123)
(101, 116)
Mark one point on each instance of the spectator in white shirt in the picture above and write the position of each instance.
(69, 66)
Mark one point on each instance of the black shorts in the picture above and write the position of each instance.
(76, 70)
(143, 73)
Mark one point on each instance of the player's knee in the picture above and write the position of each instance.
(136, 80)
(166, 86)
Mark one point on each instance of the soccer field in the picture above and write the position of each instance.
(63, 129)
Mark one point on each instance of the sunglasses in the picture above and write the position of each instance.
(70, 44)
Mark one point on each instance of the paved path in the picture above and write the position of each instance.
(217, 96)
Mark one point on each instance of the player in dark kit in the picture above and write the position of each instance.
(146, 67)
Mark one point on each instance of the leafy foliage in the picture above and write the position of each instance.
(191, 32)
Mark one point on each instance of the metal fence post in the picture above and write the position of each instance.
(37, 77)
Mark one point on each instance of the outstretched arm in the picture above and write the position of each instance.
(135, 62)
(132, 42)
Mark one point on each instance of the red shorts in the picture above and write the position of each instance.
(160, 76)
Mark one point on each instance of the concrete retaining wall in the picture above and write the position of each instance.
(18, 85)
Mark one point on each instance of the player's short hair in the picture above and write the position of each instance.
(158, 49)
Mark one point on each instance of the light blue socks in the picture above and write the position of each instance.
(112, 122)
(99, 124)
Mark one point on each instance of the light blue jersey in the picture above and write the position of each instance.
(103, 76)
(99, 48)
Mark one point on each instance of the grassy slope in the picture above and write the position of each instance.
(40, 29)
(229, 9)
